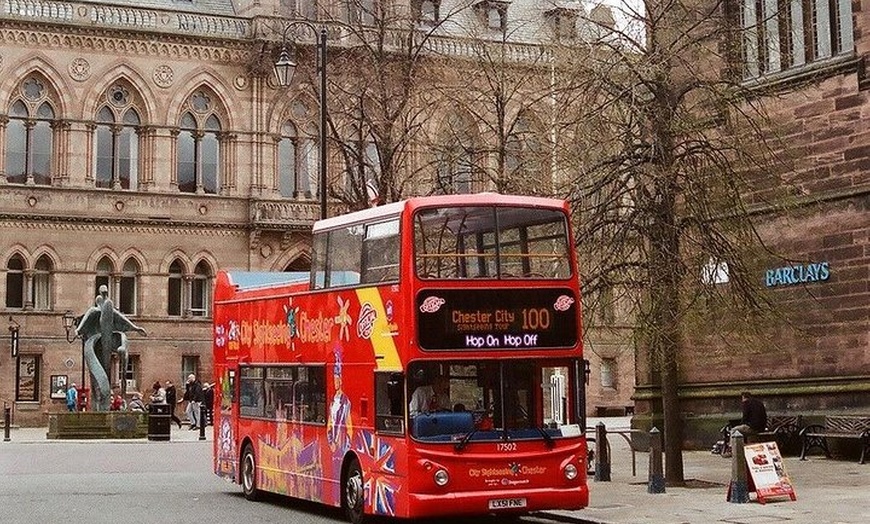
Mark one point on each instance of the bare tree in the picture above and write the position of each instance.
(499, 107)
(661, 197)
(378, 103)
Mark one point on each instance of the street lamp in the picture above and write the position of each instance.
(284, 69)
(70, 322)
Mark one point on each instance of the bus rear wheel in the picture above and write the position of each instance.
(352, 493)
(249, 474)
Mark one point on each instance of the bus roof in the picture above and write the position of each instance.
(248, 280)
(395, 208)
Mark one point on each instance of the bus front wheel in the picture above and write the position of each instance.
(249, 474)
(352, 493)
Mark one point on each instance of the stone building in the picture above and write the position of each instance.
(146, 146)
(813, 355)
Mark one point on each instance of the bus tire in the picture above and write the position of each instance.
(352, 497)
(249, 474)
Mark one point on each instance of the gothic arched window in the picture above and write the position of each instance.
(198, 161)
(117, 142)
(287, 155)
(456, 156)
(15, 282)
(41, 283)
(29, 137)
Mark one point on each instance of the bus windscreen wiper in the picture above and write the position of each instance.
(547, 438)
(459, 446)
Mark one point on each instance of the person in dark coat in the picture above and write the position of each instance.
(172, 400)
(754, 419)
(194, 397)
(208, 403)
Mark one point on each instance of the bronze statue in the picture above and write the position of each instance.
(103, 328)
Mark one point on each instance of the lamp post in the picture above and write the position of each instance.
(70, 321)
(284, 69)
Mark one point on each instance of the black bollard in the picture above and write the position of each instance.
(202, 421)
(7, 422)
(602, 464)
(738, 489)
(656, 483)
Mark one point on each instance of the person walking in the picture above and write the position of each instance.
(72, 397)
(172, 399)
(194, 397)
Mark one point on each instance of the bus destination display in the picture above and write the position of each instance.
(496, 318)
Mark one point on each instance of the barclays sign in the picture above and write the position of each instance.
(801, 274)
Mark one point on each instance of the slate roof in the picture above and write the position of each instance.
(210, 7)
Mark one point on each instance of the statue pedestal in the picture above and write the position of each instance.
(97, 425)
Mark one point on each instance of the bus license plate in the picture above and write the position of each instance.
(507, 503)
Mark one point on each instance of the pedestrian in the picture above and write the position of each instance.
(172, 400)
(117, 402)
(158, 394)
(194, 397)
(208, 403)
(136, 404)
(72, 397)
(754, 419)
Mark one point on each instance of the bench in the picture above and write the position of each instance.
(783, 429)
(836, 426)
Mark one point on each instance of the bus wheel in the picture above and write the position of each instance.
(249, 474)
(352, 493)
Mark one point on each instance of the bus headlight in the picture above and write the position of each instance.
(570, 472)
(441, 477)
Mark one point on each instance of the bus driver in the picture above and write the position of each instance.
(428, 399)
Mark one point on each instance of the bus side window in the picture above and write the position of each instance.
(389, 403)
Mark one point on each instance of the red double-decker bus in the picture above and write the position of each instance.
(429, 365)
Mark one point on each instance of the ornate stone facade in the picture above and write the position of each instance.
(141, 148)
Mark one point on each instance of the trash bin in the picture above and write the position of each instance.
(158, 422)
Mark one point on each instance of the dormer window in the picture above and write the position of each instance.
(563, 21)
(427, 11)
(493, 13)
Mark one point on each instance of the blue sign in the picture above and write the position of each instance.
(801, 274)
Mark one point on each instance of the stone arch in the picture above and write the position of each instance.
(135, 254)
(48, 251)
(299, 250)
(98, 254)
(210, 84)
(288, 110)
(143, 98)
(20, 250)
(55, 81)
(172, 256)
(208, 258)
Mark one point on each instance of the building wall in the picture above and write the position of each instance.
(162, 57)
(813, 353)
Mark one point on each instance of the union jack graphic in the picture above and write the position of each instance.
(380, 485)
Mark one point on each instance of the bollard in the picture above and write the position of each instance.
(602, 464)
(7, 421)
(656, 482)
(202, 421)
(738, 489)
